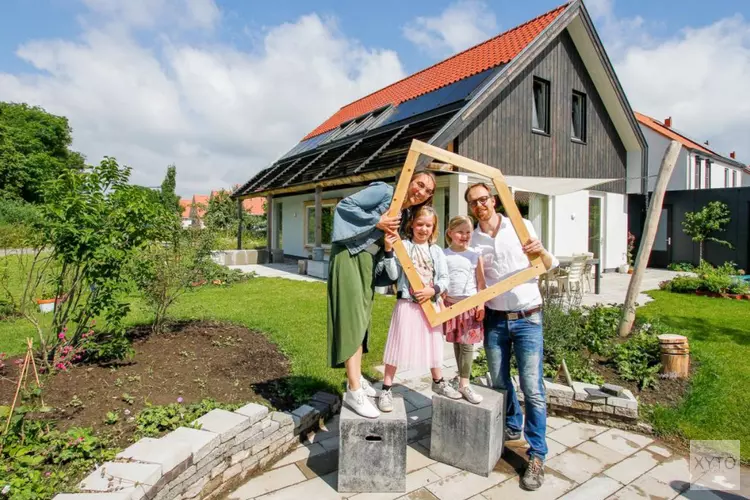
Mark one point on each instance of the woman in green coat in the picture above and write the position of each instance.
(359, 224)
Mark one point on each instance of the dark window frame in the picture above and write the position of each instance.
(726, 177)
(734, 178)
(707, 171)
(581, 136)
(545, 105)
(697, 172)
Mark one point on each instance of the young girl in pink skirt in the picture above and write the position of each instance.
(412, 343)
(466, 278)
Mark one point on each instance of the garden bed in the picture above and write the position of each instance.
(190, 362)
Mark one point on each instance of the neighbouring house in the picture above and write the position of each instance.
(540, 101)
(254, 206)
(185, 205)
(698, 166)
(194, 209)
(701, 175)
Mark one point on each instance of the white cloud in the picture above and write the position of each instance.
(699, 76)
(218, 113)
(202, 14)
(458, 27)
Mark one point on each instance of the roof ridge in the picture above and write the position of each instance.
(681, 134)
(457, 54)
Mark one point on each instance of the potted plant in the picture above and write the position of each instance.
(48, 299)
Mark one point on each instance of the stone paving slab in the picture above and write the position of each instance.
(576, 465)
(576, 433)
(623, 442)
(597, 488)
(633, 467)
(269, 482)
(554, 487)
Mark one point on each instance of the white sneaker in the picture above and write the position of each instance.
(369, 390)
(357, 401)
(385, 401)
(445, 390)
(470, 396)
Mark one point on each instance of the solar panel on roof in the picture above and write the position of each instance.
(438, 98)
(307, 145)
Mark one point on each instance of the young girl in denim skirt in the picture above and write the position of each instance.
(412, 343)
(466, 278)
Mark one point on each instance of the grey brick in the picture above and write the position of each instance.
(231, 472)
(253, 411)
(580, 390)
(558, 390)
(139, 480)
(626, 412)
(201, 441)
(273, 427)
(173, 459)
(219, 469)
(284, 419)
(224, 423)
(239, 457)
(93, 496)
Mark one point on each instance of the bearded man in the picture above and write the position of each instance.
(513, 321)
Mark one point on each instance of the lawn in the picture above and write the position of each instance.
(719, 398)
(291, 313)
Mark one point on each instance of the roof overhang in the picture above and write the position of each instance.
(553, 186)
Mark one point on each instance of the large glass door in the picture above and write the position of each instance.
(595, 226)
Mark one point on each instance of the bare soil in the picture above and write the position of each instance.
(191, 361)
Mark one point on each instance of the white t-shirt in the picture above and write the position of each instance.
(503, 256)
(462, 272)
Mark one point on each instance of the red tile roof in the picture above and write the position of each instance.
(254, 206)
(494, 52)
(662, 129)
(185, 205)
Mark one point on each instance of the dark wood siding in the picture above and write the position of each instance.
(501, 135)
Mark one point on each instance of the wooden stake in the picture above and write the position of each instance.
(649, 234)
(18, 389)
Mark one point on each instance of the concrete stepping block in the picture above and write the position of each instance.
(372, 452)
(469, 436)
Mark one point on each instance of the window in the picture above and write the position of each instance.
(327, 222)
(578, 116)
(734, 178)
(540, 106)
(697, 175)
(726, 177)
(708, 174)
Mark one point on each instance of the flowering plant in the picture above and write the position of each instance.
(631, 247)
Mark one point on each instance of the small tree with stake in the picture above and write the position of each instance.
(699, 225)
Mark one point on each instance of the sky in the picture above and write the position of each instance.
(222, 88)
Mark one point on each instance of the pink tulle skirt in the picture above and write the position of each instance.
(412, 343)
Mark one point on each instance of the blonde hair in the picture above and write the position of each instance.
(458, 220)
(421, 212)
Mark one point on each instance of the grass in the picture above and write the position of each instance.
(717, 403)
(291, 313)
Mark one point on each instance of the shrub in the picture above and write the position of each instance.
(682, 284)
(17, 219)
(638, 358)
(685, 267)
(600, 325)
(561, 333)
(155, 420)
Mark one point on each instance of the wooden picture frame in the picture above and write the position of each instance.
(536, 266)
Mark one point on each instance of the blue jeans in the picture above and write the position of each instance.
(525, 337)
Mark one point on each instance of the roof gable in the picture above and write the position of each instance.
(494, 52)
(662, 129)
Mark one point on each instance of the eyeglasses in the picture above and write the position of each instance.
(479, 201)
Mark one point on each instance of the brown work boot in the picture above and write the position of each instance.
(533, 478)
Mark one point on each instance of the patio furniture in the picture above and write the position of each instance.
(573, 280)
(565, 262)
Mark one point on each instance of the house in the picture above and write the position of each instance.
(700, 176)
(254, 206)
(185, 206)
(698, 166)
(540, 101)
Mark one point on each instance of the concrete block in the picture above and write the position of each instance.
(226, 424)
(173, 459)
(626, 412)
(138, 480)
(201, 442)
(317, 269)
(468, 436)
(330, 399)
(372, 452)
(284, 419)
(253, 411)
(558, 390)
(613, 390)
(93, 496)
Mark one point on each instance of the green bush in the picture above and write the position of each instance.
(599, 327)
(682, 284)
(685, 267)
(638, 358)
(17, 221)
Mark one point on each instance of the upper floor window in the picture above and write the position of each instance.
(697, 173)
(578, 116)
(726, 177)
(708, 174)
(540, 106)
(734, 178)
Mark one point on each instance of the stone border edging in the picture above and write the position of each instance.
(189, 463)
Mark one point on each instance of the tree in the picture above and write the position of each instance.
(167, 194)
(699, 225)
(34, 148)
(222, 212)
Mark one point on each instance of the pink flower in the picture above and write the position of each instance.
(61, 335)
(179, 400)
(47, 474)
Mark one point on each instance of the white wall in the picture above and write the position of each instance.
(657, 146)
(633, 171)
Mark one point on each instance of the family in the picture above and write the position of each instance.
(362, 258)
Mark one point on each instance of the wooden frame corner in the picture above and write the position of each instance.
(536, 266)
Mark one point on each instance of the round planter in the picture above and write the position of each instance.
(46, 305)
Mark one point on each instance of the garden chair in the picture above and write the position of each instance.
(588, 272)
(572, 282)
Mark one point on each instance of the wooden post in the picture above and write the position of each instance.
(239, 224)
(269, 226)
(649, 234)
(318, 250)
